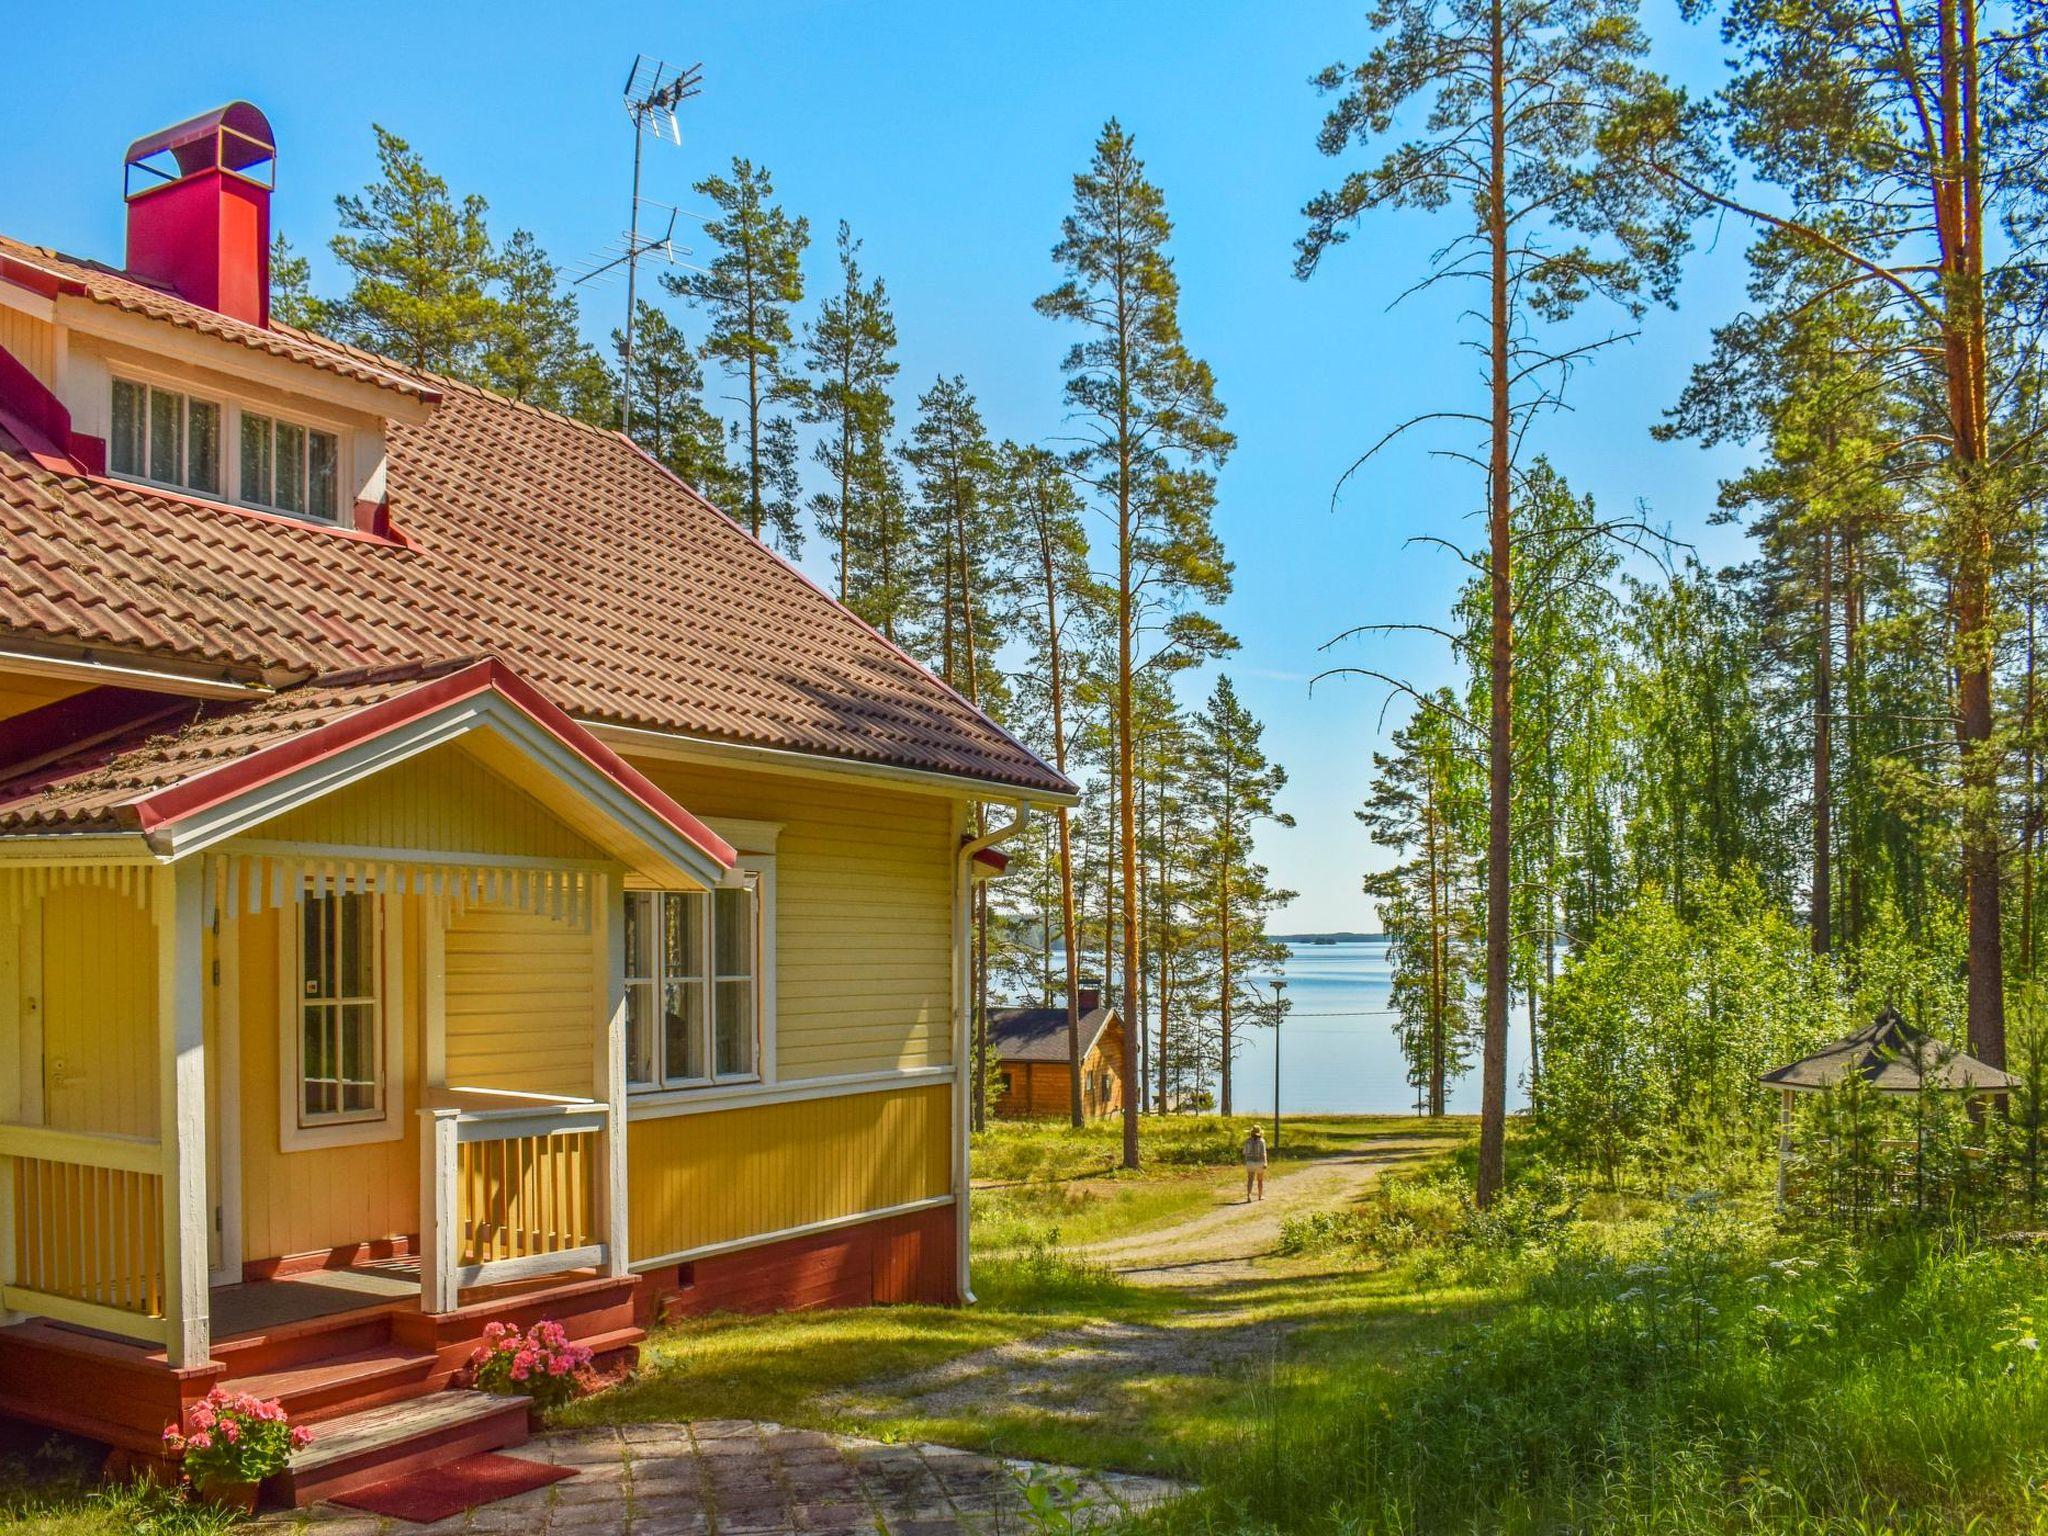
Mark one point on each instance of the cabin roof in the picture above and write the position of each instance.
(1040, 1034)
(562, 549)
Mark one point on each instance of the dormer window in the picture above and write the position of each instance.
(229, 451)
(290, 468)
(167, 437)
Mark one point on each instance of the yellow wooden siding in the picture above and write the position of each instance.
(521, 994)
(443, 800)
(864, 882)
(98, 1010)
(21, 692)
(718, 1177)
(320, 1197)
(31, 341)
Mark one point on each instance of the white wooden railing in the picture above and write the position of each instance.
(512, 1186)
(83, 1236)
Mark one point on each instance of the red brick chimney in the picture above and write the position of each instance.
(199, 210)
(1089, 993)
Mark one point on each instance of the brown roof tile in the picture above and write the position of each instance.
(117, 290)
(562, 549)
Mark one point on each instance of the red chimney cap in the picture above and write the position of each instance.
(233, 137)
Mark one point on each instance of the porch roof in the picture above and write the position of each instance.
(185, 773)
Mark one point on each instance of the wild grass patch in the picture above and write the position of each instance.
(1712, 1379)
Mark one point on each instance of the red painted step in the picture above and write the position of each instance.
(359, 1449)
(345, 1383)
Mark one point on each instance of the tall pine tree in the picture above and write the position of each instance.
(1154, 433)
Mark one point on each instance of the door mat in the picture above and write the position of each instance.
(438, 1492)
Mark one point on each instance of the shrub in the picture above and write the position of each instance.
(541, 1363)
(233, 1437)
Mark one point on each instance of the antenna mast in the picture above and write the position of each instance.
(653, 92)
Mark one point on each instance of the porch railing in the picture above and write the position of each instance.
(84, 1242)
(509, 1193)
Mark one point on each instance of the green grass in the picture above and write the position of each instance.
(1702, 1375)
(1046, 1150)
(51, 1489)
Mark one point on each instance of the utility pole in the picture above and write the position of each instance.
(1279, 1013)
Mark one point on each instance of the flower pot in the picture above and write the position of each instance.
(536, 1417)
(222, 1494)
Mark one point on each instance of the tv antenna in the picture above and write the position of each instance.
(653, 92)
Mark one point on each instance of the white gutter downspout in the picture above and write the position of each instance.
(963, 1016)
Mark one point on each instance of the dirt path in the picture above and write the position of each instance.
(1227, 1240)
(1224, 1255)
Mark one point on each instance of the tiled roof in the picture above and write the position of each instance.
(1040, 1034)
(558, 548)
(96, 789)
(117, 290)
(115, 759)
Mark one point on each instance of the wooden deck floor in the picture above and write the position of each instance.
(256, 1306)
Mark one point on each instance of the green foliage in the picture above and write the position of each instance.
(1658, 1030)
(429, 287)
(291, 289)
(746, 291)
(850, 350)
(1428, 807)
(422, 267)
(670, 419)
(965, 544)
(535, 351)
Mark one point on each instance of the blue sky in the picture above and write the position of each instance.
(947, 135)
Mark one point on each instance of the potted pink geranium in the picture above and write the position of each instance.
(229, 1442)
(540, 1364)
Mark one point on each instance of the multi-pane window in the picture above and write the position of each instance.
(290, 468)
(162, 435)
(341, 1035)
(692, 986)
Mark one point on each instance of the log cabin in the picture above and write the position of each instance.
(1032, 1052)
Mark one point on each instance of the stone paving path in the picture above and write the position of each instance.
(734, 1477)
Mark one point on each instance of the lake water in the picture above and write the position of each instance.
(1337, 1048)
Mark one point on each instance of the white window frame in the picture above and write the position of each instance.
(232, 409)
(276, 418)
(356, 1130)
(757, 871)
(149, 383)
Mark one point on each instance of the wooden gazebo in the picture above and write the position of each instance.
(1889, 1055)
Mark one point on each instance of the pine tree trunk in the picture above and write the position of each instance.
(1159, 944)
(1959, 223)
(1126, 644)
(1493, 1090)
(1823, 749)
(1223, 1001)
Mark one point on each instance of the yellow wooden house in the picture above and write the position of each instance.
(448, 871)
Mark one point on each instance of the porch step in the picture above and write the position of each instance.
(342, 1384)
(358, 1449)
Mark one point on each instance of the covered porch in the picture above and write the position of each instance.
(276, 1093)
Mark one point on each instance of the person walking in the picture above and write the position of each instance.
(1255, 1164)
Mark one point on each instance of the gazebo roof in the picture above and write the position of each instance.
(1893, 1057)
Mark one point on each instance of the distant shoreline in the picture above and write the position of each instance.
(1327, 938)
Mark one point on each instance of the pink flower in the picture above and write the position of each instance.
(201, 1441)
(301, 1437)
(231, 1432)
